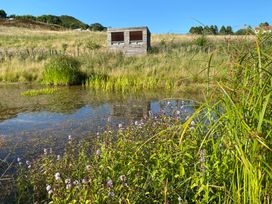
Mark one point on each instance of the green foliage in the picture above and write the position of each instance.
(226, 30)
(207, 30)
(264, 24)
(71, 22)
(63, 70)
(201, 41)
(245, 31)
(97, 27)
(198, 30)
(3, 14)
(37, 92)
(50, 19)
(26, 17)
(91, 45)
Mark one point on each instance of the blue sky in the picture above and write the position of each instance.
(168, 16)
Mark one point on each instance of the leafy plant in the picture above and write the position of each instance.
(62, 70)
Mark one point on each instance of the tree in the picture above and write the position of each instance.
(245, 31)
(229, 30)
(3, 14)
(97, 27)
(222, 30)
(198, 30)
(264, 24)
(50, 19)
(213, 29)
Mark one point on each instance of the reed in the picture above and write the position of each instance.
(219, 154)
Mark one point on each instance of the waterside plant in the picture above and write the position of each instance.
(221, 153)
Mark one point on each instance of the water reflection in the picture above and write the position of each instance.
(29, 124)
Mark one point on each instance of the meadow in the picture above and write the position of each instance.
(221, 153)
(174, 61)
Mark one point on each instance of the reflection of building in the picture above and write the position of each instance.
(130, 41)
(132, 110)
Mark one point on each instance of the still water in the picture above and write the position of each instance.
(29, 124)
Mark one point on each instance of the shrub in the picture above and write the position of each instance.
(201, 41)
(63, 70)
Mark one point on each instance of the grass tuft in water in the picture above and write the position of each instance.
(37, 92)
(63, 70)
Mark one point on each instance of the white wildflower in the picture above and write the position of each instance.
(48, 187)
(88, 167)
(67, 181)
(57, 176)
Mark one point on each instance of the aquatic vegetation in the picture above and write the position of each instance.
(62, 70)
(37, 92)
(220, 153)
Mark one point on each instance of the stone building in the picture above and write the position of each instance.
(131, 41)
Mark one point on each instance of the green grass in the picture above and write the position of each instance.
(62, 70)
(173, 62)
(219, 154)
(37, 92)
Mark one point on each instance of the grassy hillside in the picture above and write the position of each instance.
(30, 24)
(174, 60)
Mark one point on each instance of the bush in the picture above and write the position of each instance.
(63, 70)
(201, 41)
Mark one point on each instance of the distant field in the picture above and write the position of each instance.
(174, 59)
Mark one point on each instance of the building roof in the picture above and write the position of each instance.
(128, 28)
(264, 28)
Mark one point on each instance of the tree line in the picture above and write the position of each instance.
(224, 30)
(213, 30)
(64, 21)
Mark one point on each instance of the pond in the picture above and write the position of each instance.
(30, 124)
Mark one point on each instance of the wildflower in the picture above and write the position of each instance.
(120, 125)
(192, 122)
(111, 194)
(109, 183)
(29, 166)
(177, 112)
(50, 192)
(67, 181)
(109, 119)
(48, 187)
(168, 103)
(88, 167)
(179, 200)
(58, 157)
(136, 123)
(20, 163)
(98, 153)
(84, 181)
(50, 151)
(202, 155)
(192, 128)
(122, 178)
(18, 159)
(76, 182)
(45, 151)
(69, 137)
(68, 186)
(57, 176)
(97, 134)
(27, 162)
